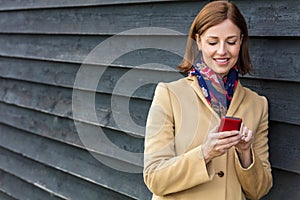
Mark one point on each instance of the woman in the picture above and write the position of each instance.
(186, 157)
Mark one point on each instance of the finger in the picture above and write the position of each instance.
(241, 128)
(249, 136)
(225, 147)
(244, 132)
(227, 134)
(229, 140)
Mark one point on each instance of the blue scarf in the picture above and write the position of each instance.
(218, 91)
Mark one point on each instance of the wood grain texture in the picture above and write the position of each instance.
(72, 160)
(284, 143)
(4, 194)
(285, 185)
(64, 130)
(11, 185)
(283, 102)
(58, 101)
(269, 59)
(38, 4)
(66, 185)
(263, 17)
(44, 46)
(283, 154)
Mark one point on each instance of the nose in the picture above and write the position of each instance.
(221, 49)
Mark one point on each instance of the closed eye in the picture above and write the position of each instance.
(232, 43)
(212, 43)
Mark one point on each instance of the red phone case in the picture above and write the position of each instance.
(230, 124)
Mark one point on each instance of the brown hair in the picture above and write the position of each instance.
(212, 14)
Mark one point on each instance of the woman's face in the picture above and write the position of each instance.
(220, 46)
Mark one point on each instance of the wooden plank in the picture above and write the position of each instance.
(281, 178)
(64, 75)
(79, 49)
(20, 189)
(12, 132)
(64, 130)
(285, 186)
(50, 73)
(60, 183)
(283, 155)
(58, 101)
(284, 143)
(73, 160)
(283, 98)
(265, 18)
(38, 4)
(269, 60)
(37, 47)
(15, 137)
(268, 18)
(5, 196)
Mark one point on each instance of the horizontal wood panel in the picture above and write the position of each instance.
(60, 183)
(285, 186)
(64, 75)
(281, 178)
(37, 4)
(279, 18)
(102, 50)
(284, 143)
(64, 130)
(283, 98)
(73, 160)
(269, 61)
(44, 43)
(12, 184)
(275, 59)
(4, 196)
(58, 101)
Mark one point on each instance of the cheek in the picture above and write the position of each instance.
(208, 51)
(235, 51)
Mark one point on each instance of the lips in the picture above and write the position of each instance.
(221, 60)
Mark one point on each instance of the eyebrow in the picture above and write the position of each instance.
(230, 37)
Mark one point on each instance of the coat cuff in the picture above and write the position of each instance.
(238, 164)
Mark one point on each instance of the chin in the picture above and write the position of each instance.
(223, 72)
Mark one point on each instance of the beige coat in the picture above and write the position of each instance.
(178, 123)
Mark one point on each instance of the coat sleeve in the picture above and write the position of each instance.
(165, 172)
(256, 180)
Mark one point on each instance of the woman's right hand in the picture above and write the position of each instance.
(218, 143)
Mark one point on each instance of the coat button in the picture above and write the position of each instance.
(220, 174)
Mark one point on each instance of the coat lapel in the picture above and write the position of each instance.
(238, 97)
(194, 84)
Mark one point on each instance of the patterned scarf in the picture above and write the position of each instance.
(218, 91)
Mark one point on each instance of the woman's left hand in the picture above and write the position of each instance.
(246, 140)
(244, 146)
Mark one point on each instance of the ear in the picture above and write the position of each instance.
(198, 41)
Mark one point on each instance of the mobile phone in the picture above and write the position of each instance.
(230, 124)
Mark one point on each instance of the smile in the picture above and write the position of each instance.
(222, 60)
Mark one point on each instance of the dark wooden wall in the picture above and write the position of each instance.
(43, 45)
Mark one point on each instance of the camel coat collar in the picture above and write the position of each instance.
(238, 96)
